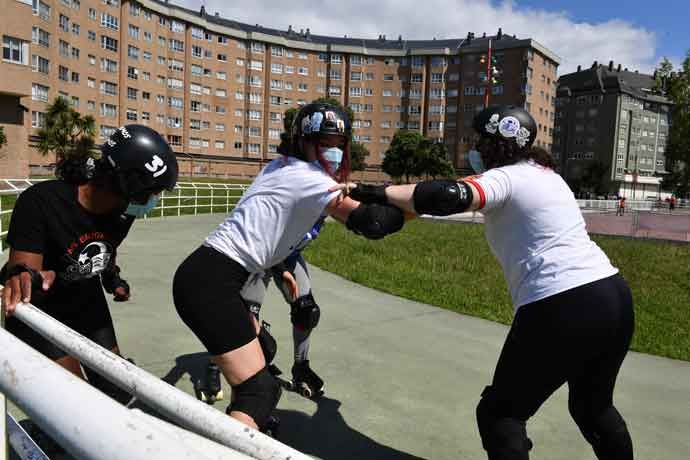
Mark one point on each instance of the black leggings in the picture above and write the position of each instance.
(579, 336)
(206, 292)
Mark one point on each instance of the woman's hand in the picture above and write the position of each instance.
(19, 286)
(291, 283)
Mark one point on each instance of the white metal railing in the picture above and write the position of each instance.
(55, 399)
(187, 198)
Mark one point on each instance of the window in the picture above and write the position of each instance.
(254, 148)
(75, 53)
(92, 35)
(258, 47)
(132, 93)
(41, 9)
(133, 31)
(64, 23)
(334, 90)
(108, 65)
(254, 114)
(221, 76)
(40, 64)
(254, 131)
(417, 61)
(15, 50)
(355, 92)
(132, 52)
(108, 43)
(63, 73)
(109, 21)
(38, 119)
(39, 92)
(175, 102)
(276, 68)
(174, 83)
(108, 110)
(176, 45)
(74, 77)
(176, 26)
(436, 77)
(335, 74)
(40, 37)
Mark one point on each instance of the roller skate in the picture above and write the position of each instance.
(305, 381)
(209, 391)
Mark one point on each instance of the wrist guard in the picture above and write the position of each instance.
(369, 194)
(110, 279)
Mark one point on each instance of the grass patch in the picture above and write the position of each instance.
(450, 265)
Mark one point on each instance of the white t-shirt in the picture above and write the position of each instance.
(536, 231)
(274, 214)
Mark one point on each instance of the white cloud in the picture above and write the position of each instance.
(577, 43)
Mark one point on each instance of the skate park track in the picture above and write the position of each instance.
(402, 378)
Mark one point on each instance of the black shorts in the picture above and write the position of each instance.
(206, 292)
(94, 322)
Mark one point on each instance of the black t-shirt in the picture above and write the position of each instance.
(78, 245)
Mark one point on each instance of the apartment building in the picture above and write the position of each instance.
(218, 89)
(612, 116)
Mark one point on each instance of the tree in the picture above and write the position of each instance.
(675, 86)
(434, 161)
(66, 132)
(358, 152)
(407, 151)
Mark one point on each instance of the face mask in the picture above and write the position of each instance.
(140, 210)
(476, 162)
(334, 156)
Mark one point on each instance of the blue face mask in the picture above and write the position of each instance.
(334, 156)
(475, 159)
(140, 210)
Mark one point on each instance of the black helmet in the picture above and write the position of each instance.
(143, 162)
(316, 119)
(507, 122)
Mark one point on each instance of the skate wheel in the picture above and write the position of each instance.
(203, 396)
(305, 391)
(220, 395)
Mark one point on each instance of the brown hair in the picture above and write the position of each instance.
(498, 152)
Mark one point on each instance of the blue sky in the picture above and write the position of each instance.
(670, 22)
(635, 34)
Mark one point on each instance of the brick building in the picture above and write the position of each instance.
(217, 89)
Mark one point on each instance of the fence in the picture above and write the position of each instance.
(187, 198)
(56, 400)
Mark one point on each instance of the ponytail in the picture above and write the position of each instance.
(77, 170)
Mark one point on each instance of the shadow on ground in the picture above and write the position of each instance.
(326, 435)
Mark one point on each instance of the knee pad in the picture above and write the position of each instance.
(257, 397)
(606, 432)
(305, 313)
(268, 343)
(502, 437)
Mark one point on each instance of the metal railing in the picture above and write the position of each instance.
(187, 198)
(56, 400)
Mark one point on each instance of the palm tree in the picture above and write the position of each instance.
(66, 132)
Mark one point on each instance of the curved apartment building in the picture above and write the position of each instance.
(218, 88)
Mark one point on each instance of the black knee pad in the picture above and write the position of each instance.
(502, 437)
(257, 397)
(268, 343)
(606, 431)
(305, 313)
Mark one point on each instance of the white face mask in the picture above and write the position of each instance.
(334, 156)
(475, 159)
(140, 210)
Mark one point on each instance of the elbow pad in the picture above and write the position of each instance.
(442, 197)
(374, 221)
